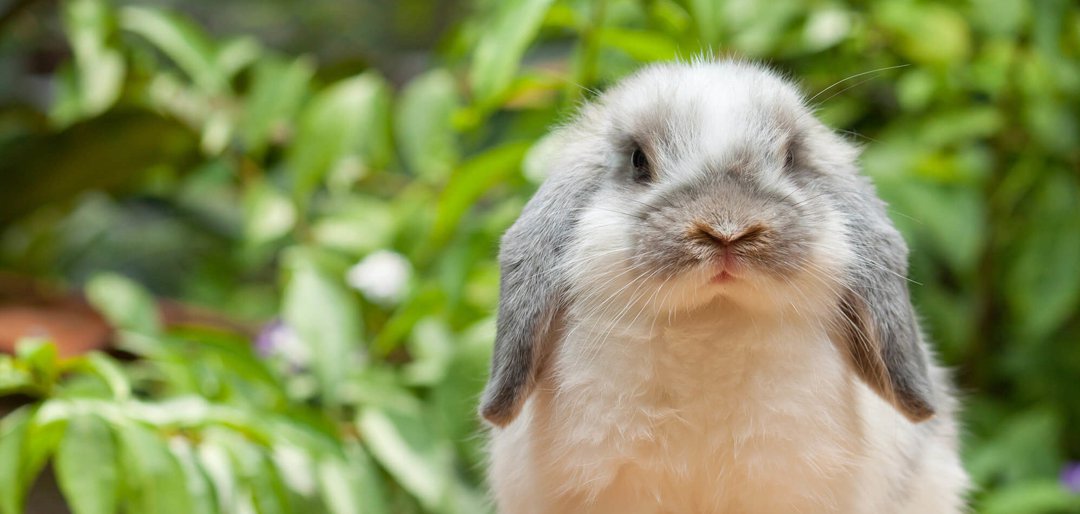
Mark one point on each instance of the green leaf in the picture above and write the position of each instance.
(1000, 17)
(275, 97)
(949, 221)
(336, 226)
(236, 54)
(13, 487)
(86, 466)
(926, 33)
(106, 152)
(111, 373)
(214, 460)
(185, 43)
(124, 303)
(40, 358)
(471, 181)
(26, 443)
(671, 16)
(345, 125)
(401, 440)
(424, 126)
(432, 349)
(261, 484)
(352, 486)
(98, 71)
(642, 45)
(708, 17)
(153, 480)
(1017, 449)
(1031, 497)
(326, 317)
(13, 378)
(199, 488)
(499, 51)
(1043, 281)
(270, 213)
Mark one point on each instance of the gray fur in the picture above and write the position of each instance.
(531, 292)
(881, 333)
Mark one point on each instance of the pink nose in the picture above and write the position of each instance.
(706, 232)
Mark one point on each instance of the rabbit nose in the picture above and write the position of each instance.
(711, 234)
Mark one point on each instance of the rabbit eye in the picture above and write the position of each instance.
(640, 163)
(789, 158)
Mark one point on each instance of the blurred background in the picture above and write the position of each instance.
(247, 248)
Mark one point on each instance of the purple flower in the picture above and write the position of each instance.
(278, 340)
(1070, 476)
(264, 341)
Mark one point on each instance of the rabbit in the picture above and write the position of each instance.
(704, 309)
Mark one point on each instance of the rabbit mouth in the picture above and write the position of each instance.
(722, 277)
(727, 267)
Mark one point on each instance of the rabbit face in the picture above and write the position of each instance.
(709, 187)
(706, 186)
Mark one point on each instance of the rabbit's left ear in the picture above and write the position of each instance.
(878, 330)
(885, 348)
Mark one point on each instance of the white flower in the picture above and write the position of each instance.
(826, 28)
(382, 276)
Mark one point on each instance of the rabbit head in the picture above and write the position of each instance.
(706, 185)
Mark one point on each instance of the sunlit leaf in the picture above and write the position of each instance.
(401, 442)
(642, 45)
(270, 213)
(126, 304)
(199, 487)
(931, 33)
(40, 357)
(275, 97)
(236, 54)
(1031, 497)
(99, 67)
(706, 13)
(325, 315)
(259, 480)
(27, 441)
(186, 44)
(86, 466)
(153, 480)
(472, 180)
(432, 349)
(424, 127)
(499, 51)
(111, 373)
(351, 487)
(13, 486)
(345, 124)
(336, 228)
(13, 378)
(221, 474)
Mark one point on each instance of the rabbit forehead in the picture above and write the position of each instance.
(710, 111)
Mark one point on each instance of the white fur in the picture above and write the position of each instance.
(684, 396)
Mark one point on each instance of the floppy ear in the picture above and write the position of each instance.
(531, 294)
(878, 331)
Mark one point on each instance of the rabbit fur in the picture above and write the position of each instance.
(704, 309)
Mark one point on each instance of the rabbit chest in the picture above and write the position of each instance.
(700, 415)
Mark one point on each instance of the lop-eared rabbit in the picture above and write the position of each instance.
(704, 309)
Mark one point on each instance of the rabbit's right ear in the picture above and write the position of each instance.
(531, 294)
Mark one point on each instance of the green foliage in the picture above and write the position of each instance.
(356, 218)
